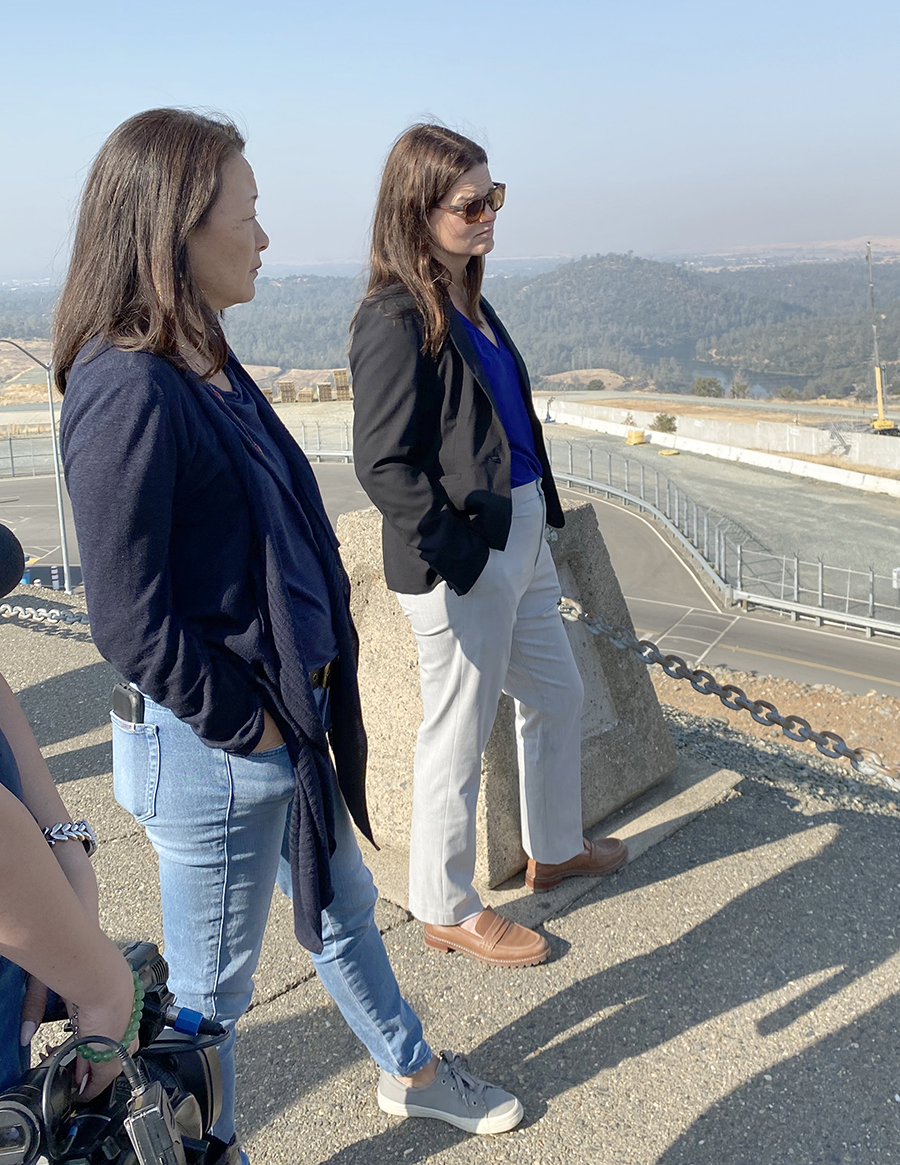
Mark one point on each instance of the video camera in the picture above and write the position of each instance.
(158, 1112)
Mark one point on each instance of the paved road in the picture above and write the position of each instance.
(778, 512)
(666, 601)
(669, 606)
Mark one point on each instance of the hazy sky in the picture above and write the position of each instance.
(648, 126)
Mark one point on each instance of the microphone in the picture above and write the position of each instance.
(12, 561)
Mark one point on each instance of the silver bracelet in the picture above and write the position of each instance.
(72, 831)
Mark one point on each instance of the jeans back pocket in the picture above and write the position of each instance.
(135, 767)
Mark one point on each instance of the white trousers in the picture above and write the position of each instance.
(505, 635)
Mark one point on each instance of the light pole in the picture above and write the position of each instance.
(63, 543)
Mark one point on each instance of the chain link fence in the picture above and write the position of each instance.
(733, 554)
(329, 440)
(26, 456)
(33, 456)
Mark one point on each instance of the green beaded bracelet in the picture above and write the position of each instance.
(131, 1031)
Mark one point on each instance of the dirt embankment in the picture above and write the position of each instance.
(789, 415)
(584, 376)
(21, 380)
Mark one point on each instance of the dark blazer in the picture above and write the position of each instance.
(429, 447)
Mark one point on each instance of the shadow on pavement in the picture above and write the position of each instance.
(832, 915)
(94, 760)
(831, 1104)
(71, 704)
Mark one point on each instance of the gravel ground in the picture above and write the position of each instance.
(871, 722)
(813, 780)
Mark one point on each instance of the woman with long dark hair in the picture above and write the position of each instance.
(448, 447)
(215, 588)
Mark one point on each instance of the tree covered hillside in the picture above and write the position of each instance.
(26, 312)
(606, 307)
(638, 317)
(299, 322)
(829, 289)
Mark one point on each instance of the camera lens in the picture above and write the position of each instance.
(19, 1134)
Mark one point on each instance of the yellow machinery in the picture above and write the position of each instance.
(881, 424)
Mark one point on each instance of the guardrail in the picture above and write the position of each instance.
(849, 597)
(730, 594)
(25, 456)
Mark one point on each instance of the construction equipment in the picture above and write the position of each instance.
(881, 424)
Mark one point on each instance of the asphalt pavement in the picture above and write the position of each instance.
(730, 997)
(766, 510)
(670, 606)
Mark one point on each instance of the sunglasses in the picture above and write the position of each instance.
(472, 211)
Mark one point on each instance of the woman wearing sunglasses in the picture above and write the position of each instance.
(448, 447)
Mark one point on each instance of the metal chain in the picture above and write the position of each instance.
(795, 727)
(42, 615)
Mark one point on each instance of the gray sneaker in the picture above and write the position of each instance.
(455, 1096)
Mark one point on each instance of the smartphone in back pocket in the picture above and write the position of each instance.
(128, 704)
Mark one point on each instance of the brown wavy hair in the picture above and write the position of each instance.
(424, 163)
(129, 281)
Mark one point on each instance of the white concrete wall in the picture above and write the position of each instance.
(770, 436)
(565, 415)
(870, 449)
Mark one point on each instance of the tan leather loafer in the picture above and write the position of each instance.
(596, 859)
(496, 940)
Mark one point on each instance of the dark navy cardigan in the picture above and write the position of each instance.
(185, 588)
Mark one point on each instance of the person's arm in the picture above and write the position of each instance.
(397, 406)
(40, 795)
(126, 443)
(45, 929)
(45, 808)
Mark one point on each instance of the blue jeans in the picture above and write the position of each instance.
(217, 822)
(14, 1059)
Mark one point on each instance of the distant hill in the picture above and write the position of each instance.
(824, 289)
(620, 311)
(302, 321)
(26, 311)
(641, 318)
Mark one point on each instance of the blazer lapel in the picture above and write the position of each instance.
(461, 339)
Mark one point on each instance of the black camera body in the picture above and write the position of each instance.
(167, 1121)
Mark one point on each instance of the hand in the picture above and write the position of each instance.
(271, 736)
(33, 1007)
(110, 1018)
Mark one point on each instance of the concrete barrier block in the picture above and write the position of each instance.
(626, 748)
